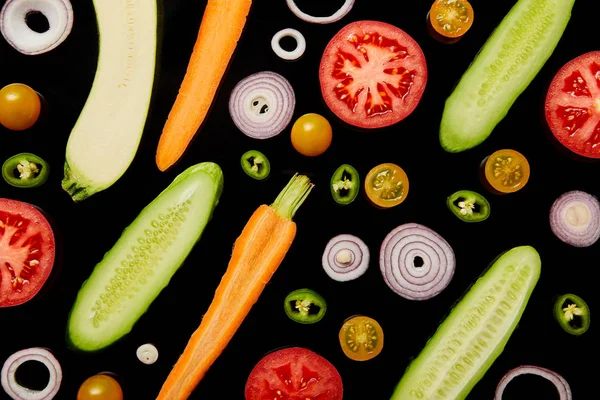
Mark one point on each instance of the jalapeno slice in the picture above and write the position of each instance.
(345, 184)
(25, 170)
(469, 206)
(305, 306)
(572, 313)
(255, 164)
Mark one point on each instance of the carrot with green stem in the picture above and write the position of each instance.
(257, 254)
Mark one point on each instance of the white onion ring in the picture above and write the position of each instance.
(397, 256)
(339, 14)
(13, 25)
(345, 271)
(562, 386)
(18, 392)
(255, 92)
(147, 353)
(575, 218)
(289, 55)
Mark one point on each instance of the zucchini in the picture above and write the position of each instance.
(475, 332)
(504, 67)
(141, 263)
(106, 136)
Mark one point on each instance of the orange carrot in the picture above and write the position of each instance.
(257, 254)
(221, 28)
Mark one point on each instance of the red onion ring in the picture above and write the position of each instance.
(18, 392)
(575, 218)
(400, 252)
(339, 14)
(345, 258)
(562, 386)
(262, 104)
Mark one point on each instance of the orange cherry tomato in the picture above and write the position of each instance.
(100, 387)
(506, 171)
(361, 338)
(20, 107)
(386, 185)
(311, 135)
(451, 18)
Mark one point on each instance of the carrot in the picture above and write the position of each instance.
(257, 253)
(221, 28)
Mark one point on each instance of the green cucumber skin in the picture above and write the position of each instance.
(464, 323)
(517, 51)
(202, 185)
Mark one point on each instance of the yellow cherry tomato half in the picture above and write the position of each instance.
(451, 18)
(386, 185)
(20, 107)
(100, 387)
(361, 338)
(506, 171)
(311, 135)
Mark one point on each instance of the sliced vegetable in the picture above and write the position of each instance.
(100, 387)
(416, 262)
(285, 54)
(361, 338)
(20, 106)
(345, 184)
(106, 136)
(257, 253)
(475, 331)
(25, 170)
(386, 185)
(255, 164)
(133, 272)
(27, 251)
(572, 313)
(451, 18)
(311, 135)
(147, 353)
(506, 171)
(221, 28)
(575, 218)
(562, 386)
(294, 373)
(506, 64)
(346, 257)
(262, 104)
(372, 74)
(468, 206)
(339, 14)
(18, 392)
(14, 24)
(573, 105)
(305, 306)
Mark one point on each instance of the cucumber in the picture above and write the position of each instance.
(141, 263)
(475, 332)
(504, 67)
(106, 136)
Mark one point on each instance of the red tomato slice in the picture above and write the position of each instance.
(372, 74)
(294, 374)
(26, 252)
(573, 105)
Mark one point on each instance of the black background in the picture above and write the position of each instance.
(87, 230)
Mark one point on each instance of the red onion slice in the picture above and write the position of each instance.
(345, 258)
(13, 24)
(262, 104)
(416, 262)
(575, 218)
(339, 14)
(18, 392)
(562, 386)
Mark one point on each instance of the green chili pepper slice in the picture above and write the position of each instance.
(305, 306)
(25, 170)
(572, 313)
(345, 184)
(469, 206)
(255, 164)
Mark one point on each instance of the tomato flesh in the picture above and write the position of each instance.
(507, 171)
(372, 74)
(451, 18)
(27, 251)
(361, 338)
(573, 105)
(386, 185)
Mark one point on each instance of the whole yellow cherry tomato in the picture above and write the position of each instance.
(311, 135)
(20, 106)
(100, 387)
